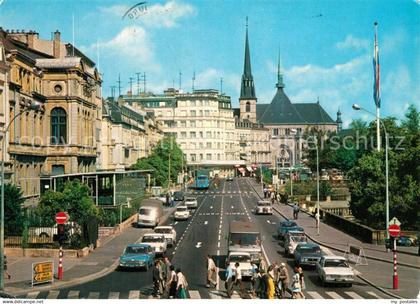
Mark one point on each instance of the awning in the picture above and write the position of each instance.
(242, 170)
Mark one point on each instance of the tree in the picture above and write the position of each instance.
(13, 215)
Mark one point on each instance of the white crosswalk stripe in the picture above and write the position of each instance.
(353, 295)
(373, 294)
(215, 295)
(194, 294)
(114, 295)
(333, 295)
(32, 295)
(134, 294)
(93, 295)
(73, 294)
(53, 294)
(235, 295)
(314, 295)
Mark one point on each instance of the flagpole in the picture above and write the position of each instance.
(377, 92)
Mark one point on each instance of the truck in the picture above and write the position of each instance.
(245, 236)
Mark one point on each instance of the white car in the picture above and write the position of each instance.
(169, 233)
(263, 207)
(181, 213)
(292, 239)
(190, 202)
(156, 241)
(244, 260)
(334, 269)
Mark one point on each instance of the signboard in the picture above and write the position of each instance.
(61, 217)
(394, 230)
(395, 221)
(42, 272)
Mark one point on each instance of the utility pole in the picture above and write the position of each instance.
(131, 85)
(113, 91)
(119, 84)
(144, 82)
(317, 186)
(180, 81)
(138, 83)
(193, 80)
(221, 85)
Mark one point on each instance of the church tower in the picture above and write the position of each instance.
(247, 99)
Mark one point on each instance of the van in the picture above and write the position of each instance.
(245, 236)
(150, 213)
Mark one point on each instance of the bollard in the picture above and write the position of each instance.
(395, 276)
(60, 264)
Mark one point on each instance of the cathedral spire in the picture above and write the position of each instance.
(279, 84)
(247, 84)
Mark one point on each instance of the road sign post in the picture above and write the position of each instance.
(61, 218)
(394, 231)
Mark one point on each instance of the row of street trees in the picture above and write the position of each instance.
(353, 151)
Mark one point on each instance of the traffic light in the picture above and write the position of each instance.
(61, 233)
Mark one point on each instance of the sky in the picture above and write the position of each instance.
(326, 47)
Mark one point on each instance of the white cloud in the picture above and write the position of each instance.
(352, 42)
(117, 10)
(393, 41)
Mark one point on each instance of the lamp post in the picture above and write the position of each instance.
(33, 106)
(317, 187)
(357, 108)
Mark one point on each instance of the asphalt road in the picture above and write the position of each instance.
(206, 233)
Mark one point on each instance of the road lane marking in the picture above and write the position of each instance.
(134, 294)
(53, 294)
(73, 294)
(218, 252)
(32, 295)
(231, 207)
(373, 294)
(353, 295)
(215, 294)
(314, 295)
(114, 295)
(211, 207)
(206, 222)
(194, 294)
(93, 295)
(327, 250)
(218, 244)
(219, 237)
(198, 245)
(334, 295)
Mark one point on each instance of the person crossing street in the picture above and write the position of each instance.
(211, 272)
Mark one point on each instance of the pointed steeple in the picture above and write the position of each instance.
(279, 84)
(247, 84)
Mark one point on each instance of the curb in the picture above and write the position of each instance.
(379, 288)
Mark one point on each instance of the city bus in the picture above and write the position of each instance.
(201, 182)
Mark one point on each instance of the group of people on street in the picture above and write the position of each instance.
(167, 281)
(274, 196)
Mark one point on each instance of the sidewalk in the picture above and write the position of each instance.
(100, 262)
(337, 240)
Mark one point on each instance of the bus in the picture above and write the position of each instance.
(202, 182)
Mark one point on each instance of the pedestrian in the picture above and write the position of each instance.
(166, 274)
(295, 211)
(5, 267)
(162, 276)
(265, 191)
(263, 265)
(156, 278)
(172, 282)
(296, 287)
(255, 271)
(316, 220)
(168, 199)
(260, 287)
(301, 278)
(270, 280)
(284, 280)
(273, 196)
(211, 272)
(238, 278)
(182, 284)
(229, 277)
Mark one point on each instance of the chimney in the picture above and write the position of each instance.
(56, 44)
(31, 37)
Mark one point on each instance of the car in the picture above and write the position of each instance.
(161, 197)
(307, 254)
(178, 196)
(137, 256)
(157, 241)
(190, 202)
(401, 241)
(263, 207)
(229, 178)
(292, 239)
(286, 226)
(181, 213)
(334, 269)
(244, 260)
(169, 233)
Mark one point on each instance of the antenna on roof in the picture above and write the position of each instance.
(112, 92)
(73, 34)
(131, 85)
(144, 82)
(221, 85)
(193, 80)
(180, 80)
(119, 84)
(138, 83)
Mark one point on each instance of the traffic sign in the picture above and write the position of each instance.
(61, 217)
(42, 272)
(394, 230)
(394, 221)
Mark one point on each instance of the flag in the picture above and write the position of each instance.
(376, 72)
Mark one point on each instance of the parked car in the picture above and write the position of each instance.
(178, 196)
(307, 254)
(169, 233)
(244, 260)
(156, 241)
(292, 239)
(263, 207)
(191, 202)
(286, 226)
(181, 213)
(137, 256)
(334, 269)
(401, 241)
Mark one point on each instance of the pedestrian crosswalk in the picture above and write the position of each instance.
(147, 293)
(220, 192)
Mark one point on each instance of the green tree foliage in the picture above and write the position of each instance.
(167, 149)
(13, 215)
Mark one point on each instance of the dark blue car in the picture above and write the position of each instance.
(137, 256)
(307, 254)
(286, 226)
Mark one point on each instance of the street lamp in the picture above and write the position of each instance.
(357, 108)
(317, 187)
(32, 106)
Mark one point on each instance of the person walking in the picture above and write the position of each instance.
(295, 211)
(238, 278)
(296, 287)
(168, 199)
(166, 275)
(263, 265)
(260, 286)
(284, 280)
(6, 273)
(182, 284)
(273, 197)
(255, 271)
(156, 272)
(301, 280)
(211, 272)
(270, 285)
(229, 274)
(316, 220)
(172, 282)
